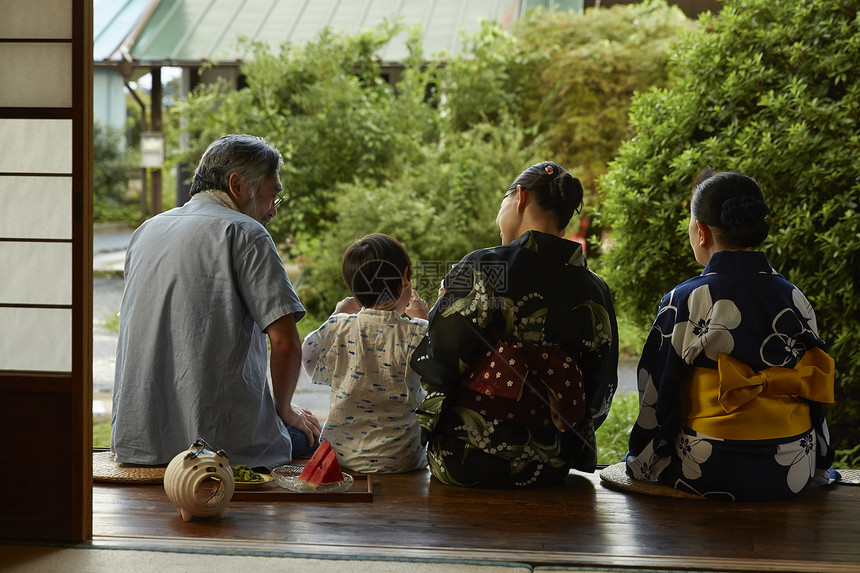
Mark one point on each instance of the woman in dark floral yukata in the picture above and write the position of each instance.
(520, 359)
(733, 374)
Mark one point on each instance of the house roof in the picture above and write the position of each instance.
(113, 20)
(177, 32)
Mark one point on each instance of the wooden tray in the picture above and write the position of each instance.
(361, 491)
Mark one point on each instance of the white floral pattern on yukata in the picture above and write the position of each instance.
(708, 327)
(741, 307)
(799, 457)
(785, 344)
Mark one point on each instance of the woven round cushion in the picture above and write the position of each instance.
(105, 469)
(849, 477)
(615, 477)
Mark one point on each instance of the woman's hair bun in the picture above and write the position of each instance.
(738, 210)
(554, 188)
(733, 204)
(566, 191)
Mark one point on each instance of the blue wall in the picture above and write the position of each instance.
(108, 98)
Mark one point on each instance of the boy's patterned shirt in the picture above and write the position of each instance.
(364, 357)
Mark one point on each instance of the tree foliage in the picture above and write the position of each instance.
(459, 148)
(487, 81)
(425, 160)
(770, 88)
(428, 158)
(440, 208)
(110, 179)
(325, 106)
(582, 73)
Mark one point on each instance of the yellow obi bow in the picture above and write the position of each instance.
(734, 402)
(811, 378)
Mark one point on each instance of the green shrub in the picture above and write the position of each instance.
(440, 208)
(583, 71)
(487, 81)
(631, 336)
(440, 197)
(362, 156)
(848, 458)
(111, 201)
(325, 106)
(426, 160)
(771, 89)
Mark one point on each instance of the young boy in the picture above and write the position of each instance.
(363, 351)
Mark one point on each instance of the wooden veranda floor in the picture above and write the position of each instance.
(582, 524)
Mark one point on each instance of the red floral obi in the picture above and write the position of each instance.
(526, 383)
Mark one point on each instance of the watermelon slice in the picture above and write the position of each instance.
(323, 466)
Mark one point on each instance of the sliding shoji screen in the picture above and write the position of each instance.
(46, 269)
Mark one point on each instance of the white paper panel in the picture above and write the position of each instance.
(35, 207)
(36, 339)
(43, 273)
(36, 146)
(35, 75)
(36, 19)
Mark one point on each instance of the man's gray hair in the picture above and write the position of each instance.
(251, 157)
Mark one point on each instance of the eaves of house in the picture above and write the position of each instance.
(184, 33)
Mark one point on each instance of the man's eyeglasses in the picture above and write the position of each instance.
(278, 200)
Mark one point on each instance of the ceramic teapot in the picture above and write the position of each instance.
(199, 481)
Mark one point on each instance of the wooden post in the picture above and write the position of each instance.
(156, 126)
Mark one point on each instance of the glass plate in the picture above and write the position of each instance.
(288, 478)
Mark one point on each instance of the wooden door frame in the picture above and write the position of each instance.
(46, 417)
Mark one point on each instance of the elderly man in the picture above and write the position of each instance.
(204, 286)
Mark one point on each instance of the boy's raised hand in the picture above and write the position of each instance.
(417, 307)
(348, 305)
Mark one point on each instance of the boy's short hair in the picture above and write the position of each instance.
(373, 268)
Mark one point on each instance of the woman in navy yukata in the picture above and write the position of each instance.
(733, 376)
(521, 356)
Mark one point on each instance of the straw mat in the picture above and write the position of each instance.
(615, 477)
(105, 469)
(849, 477)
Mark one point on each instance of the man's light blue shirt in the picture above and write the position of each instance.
(202, 282)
